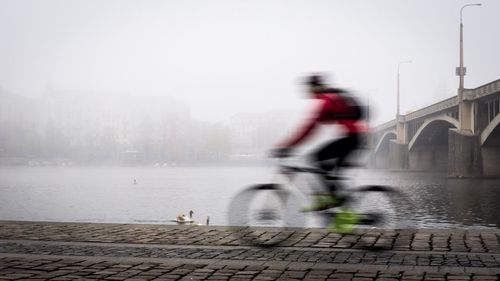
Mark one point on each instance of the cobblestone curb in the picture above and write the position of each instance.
(474, 241)
(85, 251)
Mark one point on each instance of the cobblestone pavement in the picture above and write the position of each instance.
(85, 251)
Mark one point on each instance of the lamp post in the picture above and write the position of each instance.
(400, 126)
(461, 70)
(464, 107)
(397, 109)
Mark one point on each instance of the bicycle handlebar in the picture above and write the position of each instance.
(293, 169)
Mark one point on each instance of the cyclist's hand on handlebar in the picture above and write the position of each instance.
(281, 152)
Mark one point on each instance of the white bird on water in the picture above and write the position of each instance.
(182, 218)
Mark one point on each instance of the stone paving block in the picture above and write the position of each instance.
(313, 254)
(485, 277)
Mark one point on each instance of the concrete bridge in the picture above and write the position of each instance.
(459, 135)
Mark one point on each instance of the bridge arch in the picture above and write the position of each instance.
(386, 136)
(490, 148)
(381, 154)
(489, 129)
(430, 122)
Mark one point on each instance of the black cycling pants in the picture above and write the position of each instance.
(338, 149)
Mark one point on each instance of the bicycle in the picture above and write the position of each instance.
(270, 213)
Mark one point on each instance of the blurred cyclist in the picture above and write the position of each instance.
(333, 107)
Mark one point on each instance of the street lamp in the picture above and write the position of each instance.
(397, 110)
(461, 70)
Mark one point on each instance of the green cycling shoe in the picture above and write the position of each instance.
(344, 221)
(322, 202)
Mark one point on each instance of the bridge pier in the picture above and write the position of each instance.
(428, 159)
(398, 153)
(490, 156)
(380, 161)
(464, 154)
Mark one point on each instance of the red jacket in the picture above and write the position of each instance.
(329, 107)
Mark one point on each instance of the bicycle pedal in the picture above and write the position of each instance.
(376, 188)
(351, 165)
(336, 178)
(371, 219)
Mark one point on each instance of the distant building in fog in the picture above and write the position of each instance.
(254, 133)
(96, 128)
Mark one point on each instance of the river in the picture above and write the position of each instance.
(158, 194)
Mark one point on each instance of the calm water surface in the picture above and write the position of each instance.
(109, 194)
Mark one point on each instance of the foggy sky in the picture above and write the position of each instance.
(221, 57)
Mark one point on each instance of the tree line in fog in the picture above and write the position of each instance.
(92, 128)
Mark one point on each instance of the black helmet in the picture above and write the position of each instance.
(314, 80)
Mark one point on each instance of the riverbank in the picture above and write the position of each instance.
(69, 251)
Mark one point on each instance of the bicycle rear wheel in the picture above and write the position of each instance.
(264, 215)
(379, 207)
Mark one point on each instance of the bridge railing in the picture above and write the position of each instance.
(479, 92)
(442, 105)
(384, 126)
(469, 94)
